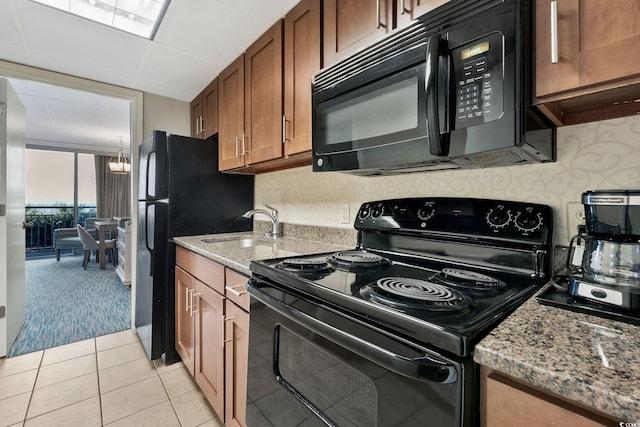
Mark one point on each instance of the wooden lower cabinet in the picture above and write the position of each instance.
(236, 359)
(212, 332)
(209, 329)
(507, 402)
(185, 328)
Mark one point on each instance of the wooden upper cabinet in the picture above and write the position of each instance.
(408, 10)
(301, 62)
(598, 45)
(196, 116)
(209, 126)
(204, 112)
(352, 24)
(231, 116)
(263, 97)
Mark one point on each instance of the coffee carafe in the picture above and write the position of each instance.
(604, 257)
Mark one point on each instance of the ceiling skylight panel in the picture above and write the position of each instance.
(139, 17)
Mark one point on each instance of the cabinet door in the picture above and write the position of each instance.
(231, 116)
(263, 97)
(598, 42)
(210, 109)
(301, 62)
(185, 287)
(352, 24)
(408, 10)
(196, 116)
(512, 404)
(236, 359)
(209, 357)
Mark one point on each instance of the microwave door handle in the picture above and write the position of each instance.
(438, 144)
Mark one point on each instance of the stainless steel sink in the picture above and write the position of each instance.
(237, 242)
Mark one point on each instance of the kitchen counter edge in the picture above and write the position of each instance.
(238, 259)
(586, 359)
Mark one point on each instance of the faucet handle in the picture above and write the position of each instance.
(273, 210)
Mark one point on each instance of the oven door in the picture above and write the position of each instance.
(311, 365)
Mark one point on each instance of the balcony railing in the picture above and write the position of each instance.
(45, 219)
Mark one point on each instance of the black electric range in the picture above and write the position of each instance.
(438, 271)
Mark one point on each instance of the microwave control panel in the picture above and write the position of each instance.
(479, 80)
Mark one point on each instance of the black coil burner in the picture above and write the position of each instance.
(304, 265)
(468, 280)
(415, 294)
(357, 259)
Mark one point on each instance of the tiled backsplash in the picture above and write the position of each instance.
(600, 155)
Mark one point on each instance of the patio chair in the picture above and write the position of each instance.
(67, 238)
(89, 243)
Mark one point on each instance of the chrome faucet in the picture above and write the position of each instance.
(272, 214)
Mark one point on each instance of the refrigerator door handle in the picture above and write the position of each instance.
(146, 187)
(146, 235)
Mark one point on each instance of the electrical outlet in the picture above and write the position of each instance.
(575, 217)
(344, 214)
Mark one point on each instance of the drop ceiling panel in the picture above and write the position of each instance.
(212, 30)
(169, 71)
(92, 50)
(12, 46)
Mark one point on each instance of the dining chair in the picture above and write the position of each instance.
(89, 243)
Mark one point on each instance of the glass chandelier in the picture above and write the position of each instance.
(120, 164)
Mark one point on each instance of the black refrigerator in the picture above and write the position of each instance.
(180, 193)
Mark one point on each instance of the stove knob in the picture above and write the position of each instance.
(499, 216)
(426, 212)
(528, 220)
(377, 211)
(365, 211)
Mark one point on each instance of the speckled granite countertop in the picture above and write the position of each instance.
(238, 258)
(586, 359)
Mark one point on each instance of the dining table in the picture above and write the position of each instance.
(103, 227)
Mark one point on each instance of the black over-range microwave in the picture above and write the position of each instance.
(450, 91)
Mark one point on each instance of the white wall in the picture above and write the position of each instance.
(601, 155)
(170, 115)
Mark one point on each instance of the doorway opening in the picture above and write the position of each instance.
(79, 208)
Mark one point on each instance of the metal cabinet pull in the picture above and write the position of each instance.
(186, 298)
(201, 124)
(236, 293)
(237, 147)
(554, 32)
(244, 149)
(378, 15)
(284, 129)
(194, 294)
(403, 7)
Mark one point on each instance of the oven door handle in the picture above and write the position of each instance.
(424, 367)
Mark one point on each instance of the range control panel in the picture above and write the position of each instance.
(479, 80)
(459, 216)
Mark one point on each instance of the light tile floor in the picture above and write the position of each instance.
(103, 381)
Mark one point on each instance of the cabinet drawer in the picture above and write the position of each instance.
(236, 288)
(204, 269)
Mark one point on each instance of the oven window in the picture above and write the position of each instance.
(342, 393)
(379, 113)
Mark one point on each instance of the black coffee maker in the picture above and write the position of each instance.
(603, 264)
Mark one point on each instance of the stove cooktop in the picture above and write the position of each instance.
(437, 271)
(443, 305)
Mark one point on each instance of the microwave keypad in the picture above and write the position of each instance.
(474, 92)
(478, 85)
